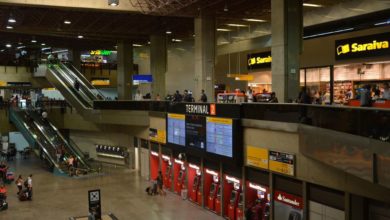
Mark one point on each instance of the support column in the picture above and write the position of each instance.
(76, 55)
(158, 64)
(286, 16)
(124, 70)
(205, 44)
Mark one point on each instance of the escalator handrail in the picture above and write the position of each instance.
(82, 78)
(18, 120)
(81, 81)
(64, 83)
(82, 90)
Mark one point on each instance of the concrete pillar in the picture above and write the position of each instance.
(124, 70)
(286, 16)
(76, 55)
(205, 44)
(158, 64)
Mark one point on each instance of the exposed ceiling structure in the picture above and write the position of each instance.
(64, 25)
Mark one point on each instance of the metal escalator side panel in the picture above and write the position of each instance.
(55, 80)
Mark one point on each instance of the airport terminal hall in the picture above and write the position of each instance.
(195, 109)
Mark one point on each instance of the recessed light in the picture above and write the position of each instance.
(148, 42)
(176, 40)
(9, 27)
(237, 25)
(254, 20)
(168, 32)
(67, 22)
(43, 44)
(8, 45)
(11, 20)
(312, 5)
(223, 29)
(80, 36)
(137, 45)
(33, 41)
(113, 3)
(20, 43)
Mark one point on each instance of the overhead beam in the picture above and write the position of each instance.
(124, 5)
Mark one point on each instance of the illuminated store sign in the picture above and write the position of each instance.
(259, 60)
(361, 47)
(100, 52)
(201, 109)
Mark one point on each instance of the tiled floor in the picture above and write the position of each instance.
(123, 193)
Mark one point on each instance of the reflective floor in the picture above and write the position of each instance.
(123, 194)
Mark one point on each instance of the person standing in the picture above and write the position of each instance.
(365, 96)
(160, 184)
(203, 96)
(29, 187)
(76, 85)
(386, 91)
(19, 183)
(249, 94)
(138, 96)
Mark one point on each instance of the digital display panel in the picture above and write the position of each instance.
(219, 136)
(176, 129)
(196, 131)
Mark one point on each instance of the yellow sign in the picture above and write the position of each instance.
(241, 77)
(280, 167)
(225, 121)
(356, 47)
(160, 138)
(176, 116)
(100, 82)
(2, 83)
(259, 60)
(257, 157)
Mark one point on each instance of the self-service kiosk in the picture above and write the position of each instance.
(166, 169)
(154, 165)
(179, 175)
(218, 200)
(194, 181)
(210, 186)
(232, 191)
(257, 200)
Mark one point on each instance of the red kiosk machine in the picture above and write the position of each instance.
(154, 164)
(211, 186)
(257, 199)
(231, 192)
(166, 169)
(179, 174)
(194, 182)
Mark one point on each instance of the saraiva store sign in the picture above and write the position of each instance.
(362, 47)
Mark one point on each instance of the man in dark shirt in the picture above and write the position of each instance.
(203, 96)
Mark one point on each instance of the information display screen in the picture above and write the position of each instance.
(219, 136)
(176, 129)
(196, 131)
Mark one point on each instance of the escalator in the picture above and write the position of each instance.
(63, 77)
(46, 140)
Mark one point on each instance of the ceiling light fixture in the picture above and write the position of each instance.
(254, 20)
(33, 41)
(67, 22)
(21, 47)
(137, 45)
(9, 27)
(80, 36)
(8, 45)
(312, 5)
(11, 19)
(237, 25)
(226, 9)
(223, 29)
(43, 44)
(328, 33)
(176, 40)
(168, 32)
(113, 3)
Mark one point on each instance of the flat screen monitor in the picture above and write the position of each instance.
(196, 131)
(219, 136)
(176, 129)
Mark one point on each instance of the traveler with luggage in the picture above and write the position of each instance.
(19, 183)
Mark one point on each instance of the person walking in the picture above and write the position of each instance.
(160, 184)
(19, 183)
(203, 96)
(29, 187)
